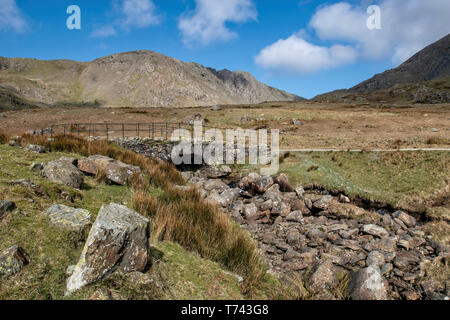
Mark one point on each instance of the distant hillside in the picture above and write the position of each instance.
(132, 79)
(424, 78)
(430, 63)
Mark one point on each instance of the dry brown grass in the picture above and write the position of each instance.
(184, 218)
(4, 138)
(177, 216)
(160, 173)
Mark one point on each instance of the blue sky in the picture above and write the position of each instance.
(306, 47)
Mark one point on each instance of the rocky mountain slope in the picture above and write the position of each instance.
(423, 78)
(132, 79)
(430, 63)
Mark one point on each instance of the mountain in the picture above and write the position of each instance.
(422, 78)
(428, 64)
(132, 79)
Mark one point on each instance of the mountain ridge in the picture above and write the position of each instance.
(139, 78)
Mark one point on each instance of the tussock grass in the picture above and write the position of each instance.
(184, 218)
(4, 138)
(161, 174)
(177, 216)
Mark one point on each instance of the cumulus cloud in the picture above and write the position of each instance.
(11, 16)
(296, 55)
(406, 27)
(139, 13)
(207, 23)
(130, 14)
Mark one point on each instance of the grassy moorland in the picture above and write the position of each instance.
(210, 250)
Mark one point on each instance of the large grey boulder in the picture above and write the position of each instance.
(6, 206)
(63, 172)
(12, 260)
(118, 242)
(367, 284)
(115, 171)
(69, 218)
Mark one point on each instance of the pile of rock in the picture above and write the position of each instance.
(70, 171)
(385, 255)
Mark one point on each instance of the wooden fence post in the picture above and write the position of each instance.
(107, 132)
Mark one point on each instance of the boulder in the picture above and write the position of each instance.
(295, 216)
(374, 230)
(63, 172)
(215, 172)
(215, 184)
(230, 195)
(283, 181)
(35, 148)
(296, 122)
(255, 183)
(115, 171)
(299, 190)
(322, 276)
(12, 260)
(118, 242)
(70, 160)
(36, 167)
(273, 193)
(251, 211)
(367, 284)
(408, 220)
(322, 203)
(6, 206)
(69, 218)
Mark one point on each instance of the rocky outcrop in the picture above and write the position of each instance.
(114, 171)
(65, 173)
(12, 260)
(6, 206)
(118, 242)
(69, 218)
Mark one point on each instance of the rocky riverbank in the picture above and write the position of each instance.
(385, 255)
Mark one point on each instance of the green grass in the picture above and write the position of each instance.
(401, 179)
(394, 178)
(177, 272)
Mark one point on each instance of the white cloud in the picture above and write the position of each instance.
(295, 55)
(130, 14)
(139, 13)
(11, 17)
(407, 26)
(103, 32)
(207, 23)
